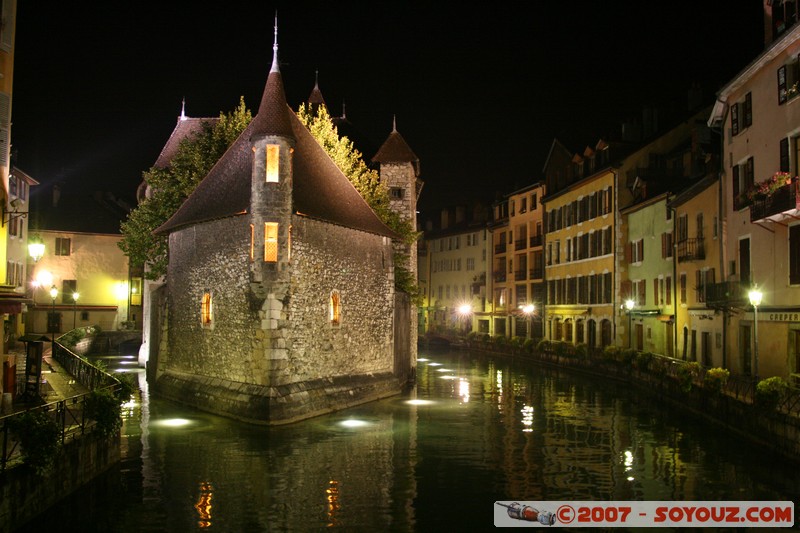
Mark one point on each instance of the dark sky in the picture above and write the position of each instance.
(478, 93)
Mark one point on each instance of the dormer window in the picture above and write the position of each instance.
(273, 163)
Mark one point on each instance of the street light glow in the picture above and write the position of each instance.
(464, 309)
(629, 304)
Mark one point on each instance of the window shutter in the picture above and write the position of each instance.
(668, 290)
(782, 85)
(629, 252)
(735, 119)
(748, 110)
(735, 184)
(655, 291)
(784, 154)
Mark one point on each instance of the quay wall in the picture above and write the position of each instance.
(25, 495)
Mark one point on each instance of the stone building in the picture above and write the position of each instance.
(280, 299)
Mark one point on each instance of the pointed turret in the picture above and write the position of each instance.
(273, 111)
(315, 99)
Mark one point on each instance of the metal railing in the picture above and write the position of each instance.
(68, 414)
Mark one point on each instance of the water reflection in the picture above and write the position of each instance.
(473, 431)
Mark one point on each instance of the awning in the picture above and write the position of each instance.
(10, 307)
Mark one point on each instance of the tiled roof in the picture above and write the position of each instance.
(395, 150)
(320, 189)
(186, 128)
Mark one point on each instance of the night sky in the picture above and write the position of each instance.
(478, 94)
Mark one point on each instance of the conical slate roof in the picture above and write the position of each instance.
(395, 150)
(320, 189)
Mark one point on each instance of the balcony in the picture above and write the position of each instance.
(519, 275)
(520, 244)
(499, 276)
(499, 248)
(536, 240)
(782, 204)
(537, 272)
(691, 249)
(727, 294)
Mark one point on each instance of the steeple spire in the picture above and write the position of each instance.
(394, 123)
(274, 67)
(183, 109)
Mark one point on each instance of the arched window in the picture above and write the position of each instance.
(335, 308)
(605, 333)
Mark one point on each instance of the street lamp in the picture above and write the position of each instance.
(528, 310)
(629, 303)
(53, 294)
(755, 300)
(463, 311)
(36, 248)
(75, 296)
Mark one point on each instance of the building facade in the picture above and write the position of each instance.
(758, 116)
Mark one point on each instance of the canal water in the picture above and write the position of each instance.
(474, 430)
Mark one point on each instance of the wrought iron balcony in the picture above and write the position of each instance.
(727, 294)
(783, 203)
(536, 240)
(520, 244)
(519, 275)
(499, 276)
(499, 248)
(691, 249)
(537, 272)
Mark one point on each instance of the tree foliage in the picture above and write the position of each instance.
(170, 186)
(196, 155)
(367, 181)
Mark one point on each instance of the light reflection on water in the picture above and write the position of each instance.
(491, 431)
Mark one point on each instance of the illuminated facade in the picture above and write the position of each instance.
(518, 263)
(758, 115)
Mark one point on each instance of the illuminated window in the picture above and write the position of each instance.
(271, 242)
(206, 311)
(273, 163)
(335, 309)
(252, 241)
(136, 291)
(289, 245)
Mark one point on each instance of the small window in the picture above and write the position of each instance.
(63, 246)
(335, 308)
(397, 193)
(273, 163)
(252, 241)
(271, 242)
(206, 310)
(136, 291)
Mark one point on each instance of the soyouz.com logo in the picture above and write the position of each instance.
(644, 514)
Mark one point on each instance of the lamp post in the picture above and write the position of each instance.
(36, 248)
(755, 300)
(463, 311)
(629, 303)
(75, 297)
(528, 310)
(53, 294)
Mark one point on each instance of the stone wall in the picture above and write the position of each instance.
(24, 495)
(271, 354)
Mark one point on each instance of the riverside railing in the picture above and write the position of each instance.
(68, 414)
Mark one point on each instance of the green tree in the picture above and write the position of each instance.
(172, 185)
(367, 182)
